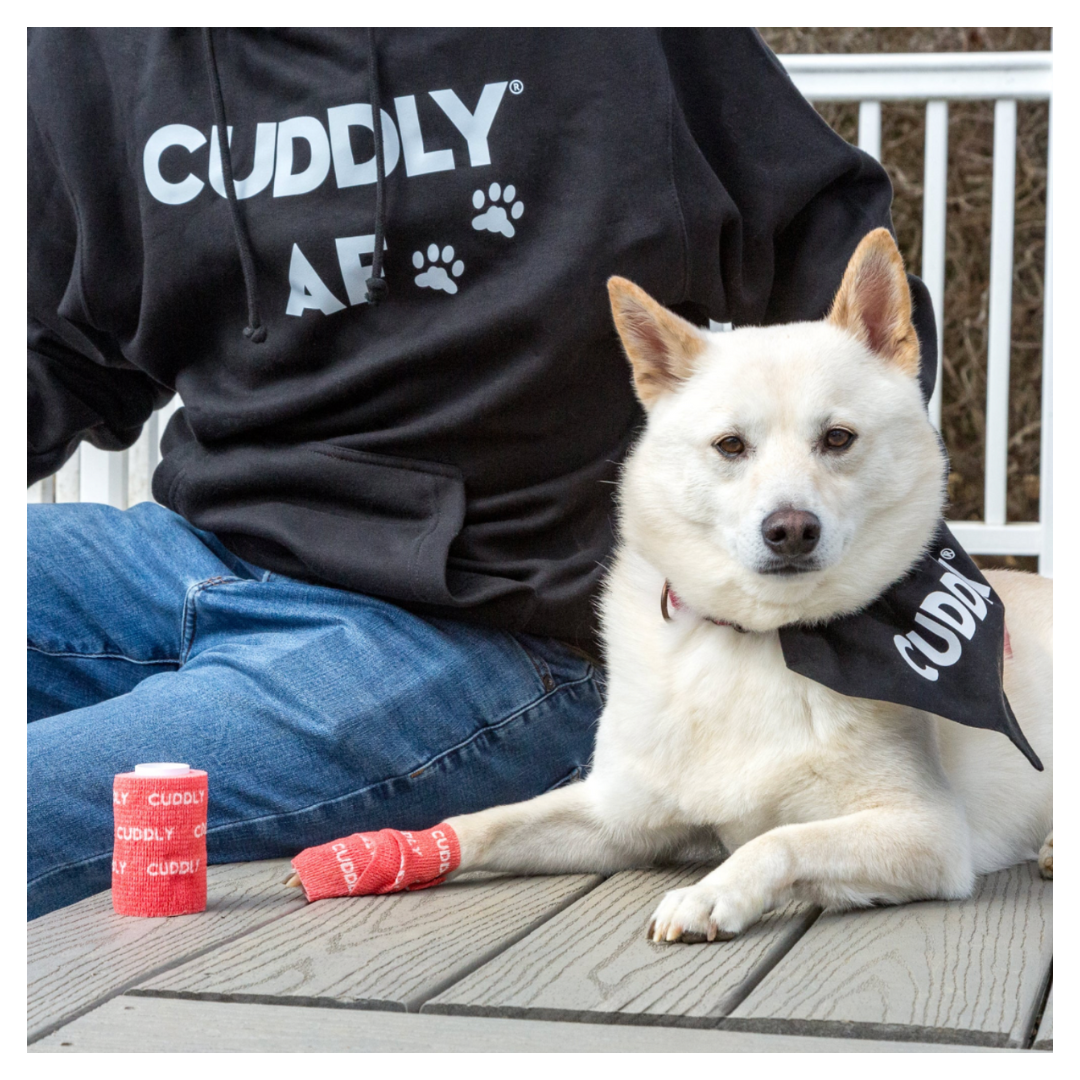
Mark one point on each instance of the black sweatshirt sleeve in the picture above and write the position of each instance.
(79, 385)
(805, 197)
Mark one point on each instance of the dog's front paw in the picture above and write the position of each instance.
(1046, 857)
(700, 913)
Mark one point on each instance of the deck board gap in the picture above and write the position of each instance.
(1037, 1018)
(848, 1029)
(777, 952)
(151, 973)
(241, 998)
(416, 1004)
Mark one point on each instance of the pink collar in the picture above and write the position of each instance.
(667, 595)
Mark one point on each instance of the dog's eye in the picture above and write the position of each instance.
(731, 446)
(838, 438)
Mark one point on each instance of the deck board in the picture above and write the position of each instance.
(166, 1024)
(385, 952)
(83, 954)
(592, 961)
(964, 971)
(502, 963)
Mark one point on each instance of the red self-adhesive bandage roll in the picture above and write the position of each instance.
(368, 864)
(159, 840)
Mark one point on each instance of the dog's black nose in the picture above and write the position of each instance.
(791, 532)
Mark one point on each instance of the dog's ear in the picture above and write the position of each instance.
(661, 347)
(874, 302)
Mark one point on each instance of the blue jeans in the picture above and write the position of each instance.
(316, 712)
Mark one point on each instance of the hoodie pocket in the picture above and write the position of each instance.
(373, 523)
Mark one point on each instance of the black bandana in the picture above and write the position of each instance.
(935, 640)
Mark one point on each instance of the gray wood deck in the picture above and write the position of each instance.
(539, 964)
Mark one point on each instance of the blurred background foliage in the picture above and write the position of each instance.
(967, 250)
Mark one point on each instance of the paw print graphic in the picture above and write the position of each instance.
(496, 218)
(435, 276)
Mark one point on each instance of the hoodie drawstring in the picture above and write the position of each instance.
(377, 287)
(254, 331)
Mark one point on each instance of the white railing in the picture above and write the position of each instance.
(936, 78)
(93, 475)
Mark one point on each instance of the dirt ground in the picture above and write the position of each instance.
(967, 270)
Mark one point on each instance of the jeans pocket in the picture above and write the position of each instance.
(555, 662)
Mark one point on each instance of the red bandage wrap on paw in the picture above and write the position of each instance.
(159, 841)
(369, 864)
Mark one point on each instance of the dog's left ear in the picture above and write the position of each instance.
(662, 348)
(874, 302)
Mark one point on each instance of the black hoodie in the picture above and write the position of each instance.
(452, 448)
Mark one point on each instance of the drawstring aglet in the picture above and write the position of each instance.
(377, 290)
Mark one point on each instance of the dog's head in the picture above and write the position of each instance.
(786, 473)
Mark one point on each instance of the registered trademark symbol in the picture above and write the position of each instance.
(516, 86)
(948, 553)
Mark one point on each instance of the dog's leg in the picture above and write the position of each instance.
(885, 855)
(1046, 857)
(568, 830)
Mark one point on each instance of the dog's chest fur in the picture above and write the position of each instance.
(713, 725)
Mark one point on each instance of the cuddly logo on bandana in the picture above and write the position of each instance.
(934, 641)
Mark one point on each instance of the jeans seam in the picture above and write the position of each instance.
(99, 656)
(408, 775)
(543, 673)
(188, 617)
(68, 867)
(562, 781)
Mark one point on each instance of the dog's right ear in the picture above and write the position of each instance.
(662, 348)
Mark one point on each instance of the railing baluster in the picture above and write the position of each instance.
(68, 479)
(154, 430)
(118, 480)
(999, 324)
(935, 175)
(139, 468)
(103, 476)
(93, 474)
(1046, 435)
(43, 491)
(870, 128)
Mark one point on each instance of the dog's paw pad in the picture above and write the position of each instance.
(689, 937)
(498, 206)
(438, 269)
(693, 937)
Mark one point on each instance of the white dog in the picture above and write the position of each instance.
(786, 474)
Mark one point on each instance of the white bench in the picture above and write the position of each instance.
(123, 479)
